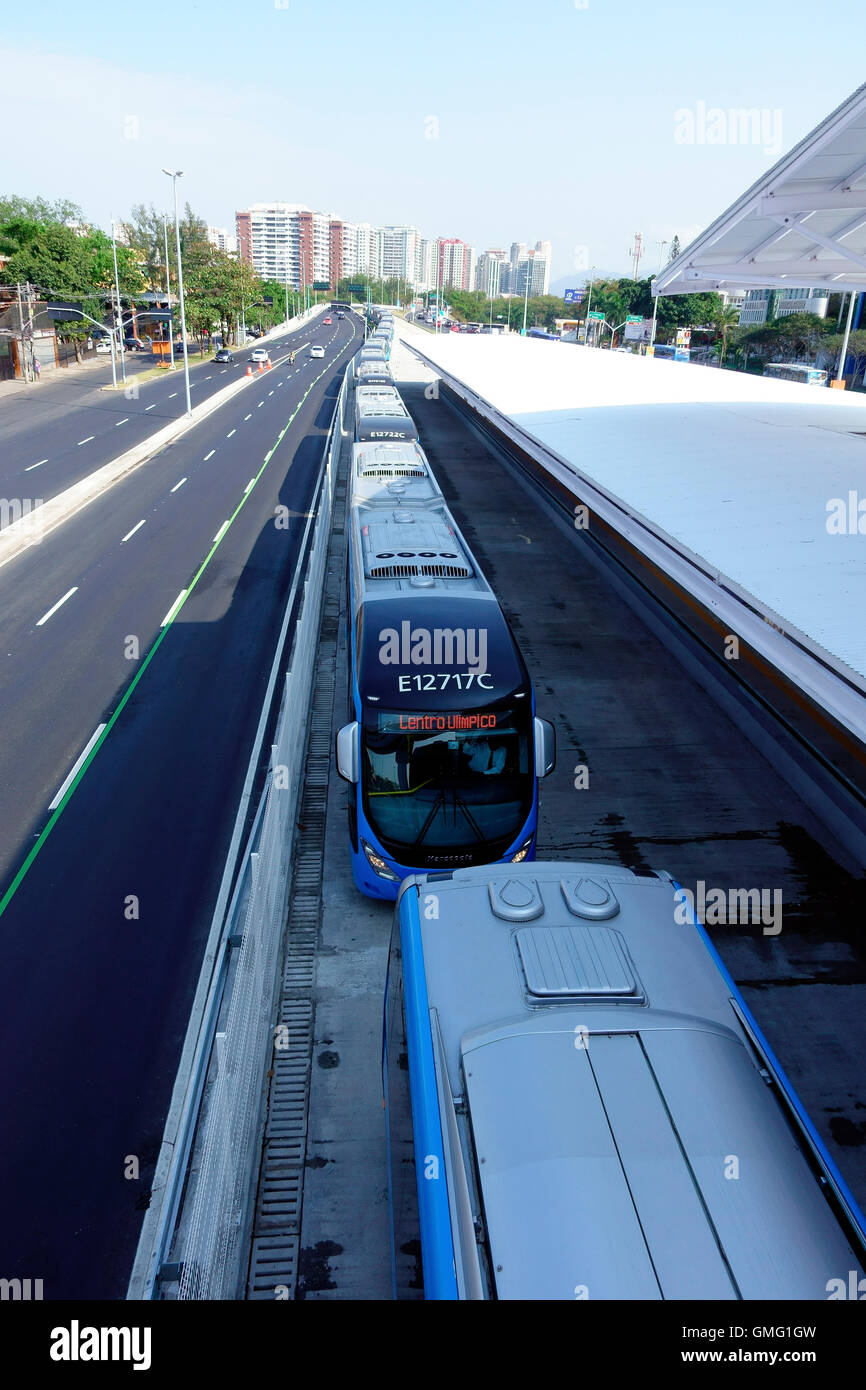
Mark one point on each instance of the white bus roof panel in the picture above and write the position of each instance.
(613, 1095)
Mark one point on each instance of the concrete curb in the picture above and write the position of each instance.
(32, 528)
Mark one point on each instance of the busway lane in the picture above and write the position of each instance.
(104, 934)
(47, 450)
(650, 773)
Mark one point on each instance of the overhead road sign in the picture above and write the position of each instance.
(802, 225)
(593, 315)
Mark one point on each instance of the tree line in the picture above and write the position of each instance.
(51, 246)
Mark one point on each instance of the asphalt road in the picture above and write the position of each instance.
(66, 428)
(102, 934)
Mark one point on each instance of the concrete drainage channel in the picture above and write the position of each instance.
(276, 1233)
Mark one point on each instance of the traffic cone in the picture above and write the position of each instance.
(249, 370)
(269, 364)
(261, 366)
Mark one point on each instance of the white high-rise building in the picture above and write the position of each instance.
(223, 239)
(425, 265)
(535, 267)
(399, 253)
(544, 249)
(489, 272)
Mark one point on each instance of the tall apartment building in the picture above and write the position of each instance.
(456, 261)
(286, 241)
(489, 271)
(536, 269)
(222, 238)
(425, 265)
(544, 248)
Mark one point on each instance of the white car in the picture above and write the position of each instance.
(259, 354)
(317, 350)
(103, 345)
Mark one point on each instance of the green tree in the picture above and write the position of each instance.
(144, 232)
(14, 208)
(725, 319)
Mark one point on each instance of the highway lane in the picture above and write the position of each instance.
(55, 437)
(103, 935)
(114, 548)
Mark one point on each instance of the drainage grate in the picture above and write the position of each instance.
(273, 1269)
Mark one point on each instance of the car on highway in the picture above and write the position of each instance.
(135, 345)
(104, 345)
(317, 350)
(224, 355)
(341, 316)
(328, 319)
(259, 354)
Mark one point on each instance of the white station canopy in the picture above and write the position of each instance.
(803, 224)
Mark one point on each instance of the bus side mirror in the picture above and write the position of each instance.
(349, 752)
(545, 747)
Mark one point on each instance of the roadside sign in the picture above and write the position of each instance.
(594, 315)
(684, 337)
(574, 296)
(638, 330)
(321, 284)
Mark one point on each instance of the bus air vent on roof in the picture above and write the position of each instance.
(589, 897)
(578, 962)
(515, 900)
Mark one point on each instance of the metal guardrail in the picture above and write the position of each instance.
(234, 1031)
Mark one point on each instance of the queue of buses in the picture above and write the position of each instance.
(443, 750)
(579, 1104)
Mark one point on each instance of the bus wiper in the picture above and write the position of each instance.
(458, 802)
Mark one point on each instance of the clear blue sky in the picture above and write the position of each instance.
(551, 120)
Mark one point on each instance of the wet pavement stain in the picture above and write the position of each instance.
(314, 1270)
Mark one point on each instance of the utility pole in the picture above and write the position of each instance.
(119, 317)
(174, 175)
(24, 363)
(168, 292)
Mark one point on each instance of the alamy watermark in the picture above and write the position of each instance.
(738, 125)
(718, 907)
(438, 646)
(25, 513)
(846, 516)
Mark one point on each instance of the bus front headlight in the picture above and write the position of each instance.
(521, 854)
(378, 864)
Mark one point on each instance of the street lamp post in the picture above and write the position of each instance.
(662, 245)
(119, 316)
(168, 293)
(588, 306)
(528, 263)
(174, 176)
(844, 351)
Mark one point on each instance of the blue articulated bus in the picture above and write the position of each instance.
(443, 750)
(580, 1105)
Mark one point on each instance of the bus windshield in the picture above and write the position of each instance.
(447, 778)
